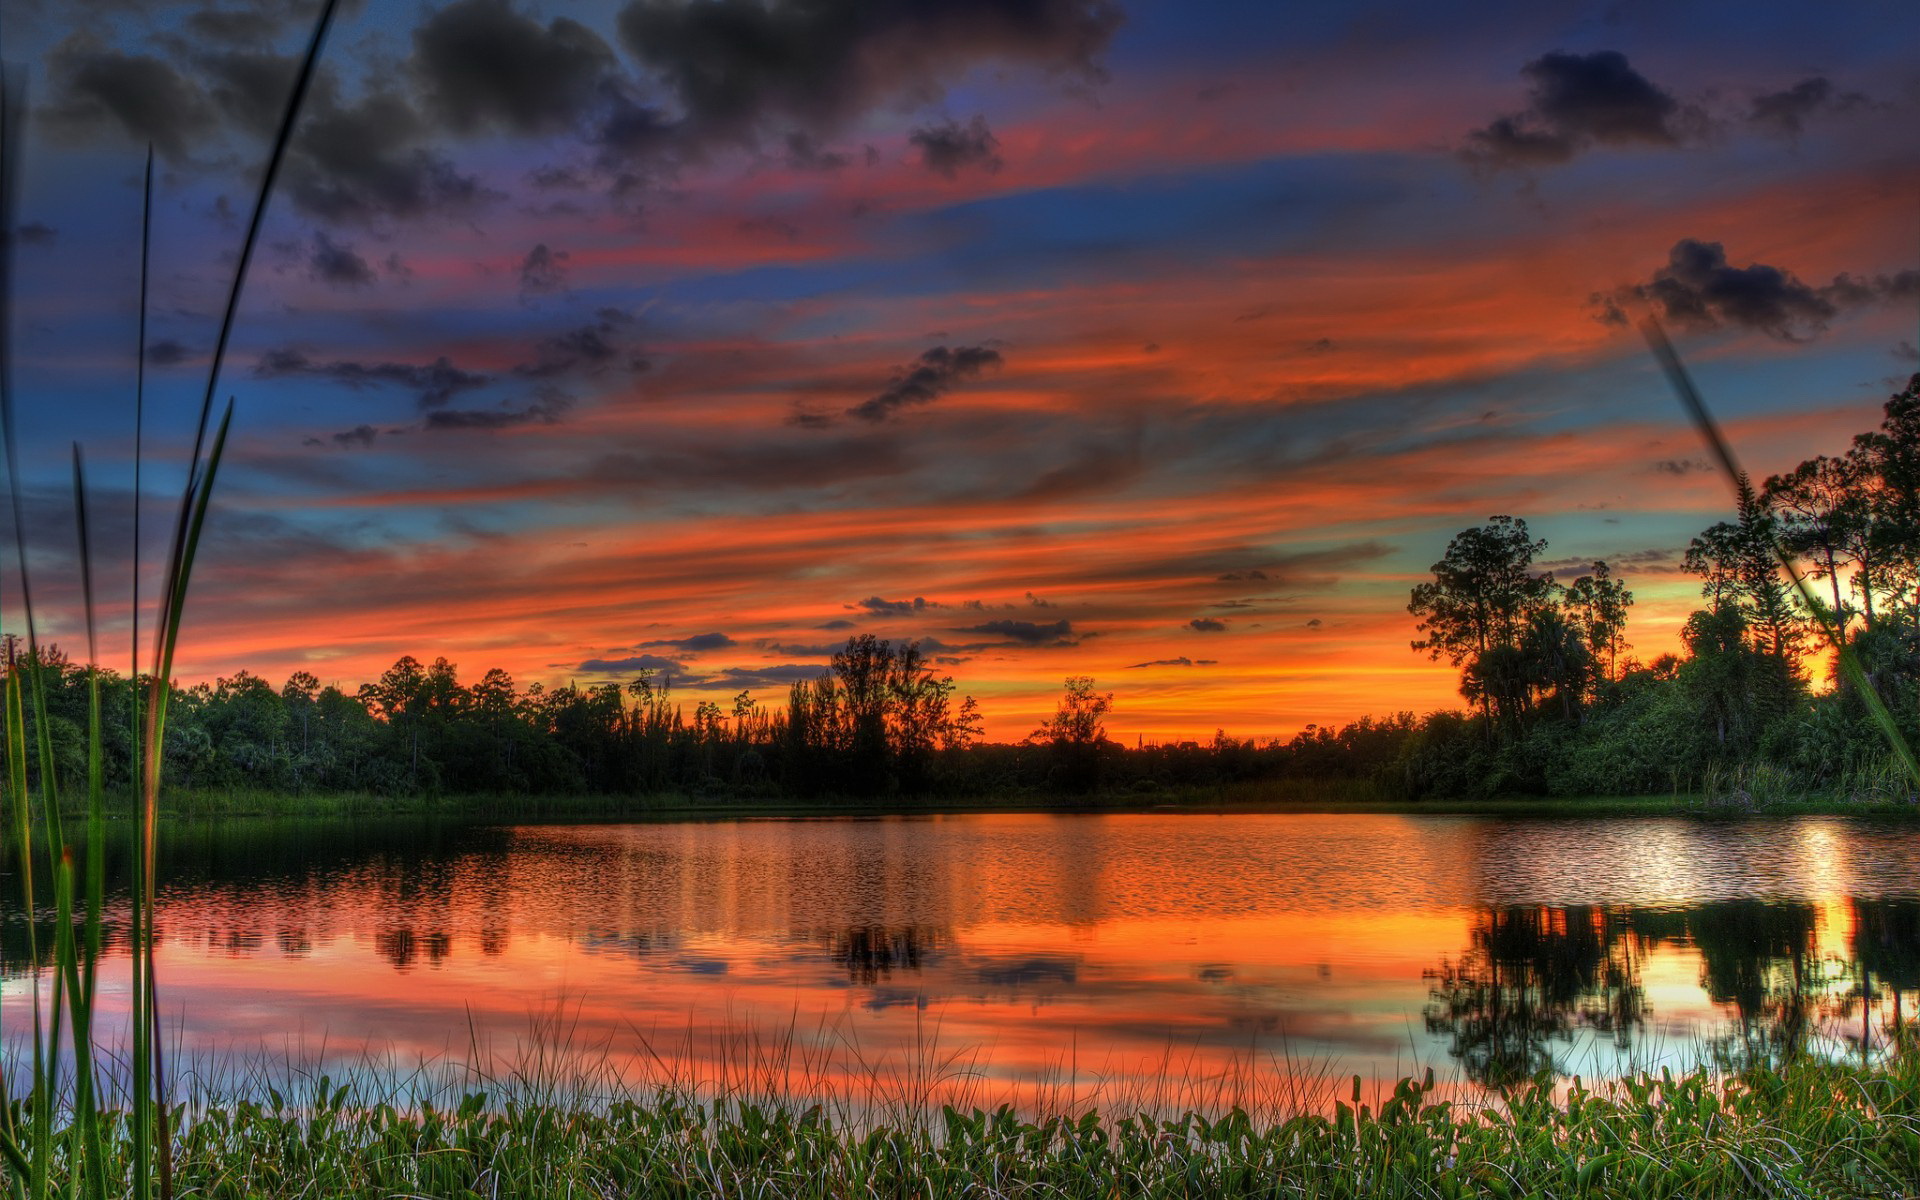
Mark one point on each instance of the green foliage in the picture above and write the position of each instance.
(1811, 1129)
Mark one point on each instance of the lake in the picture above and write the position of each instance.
(1051, 960)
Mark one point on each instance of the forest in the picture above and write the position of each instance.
(1557, 704)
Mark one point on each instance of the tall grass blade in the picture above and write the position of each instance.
(150, 1096)
(39, 1103)
(1722, 451)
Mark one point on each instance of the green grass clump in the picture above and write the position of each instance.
(1811, 1129)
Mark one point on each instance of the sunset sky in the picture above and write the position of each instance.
(1166, 343)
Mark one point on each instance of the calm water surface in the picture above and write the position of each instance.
(1179, 958)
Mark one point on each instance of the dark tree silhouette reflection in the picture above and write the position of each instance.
(1757, 956)
(1886, 950)
(1530, 977)
(872, 953)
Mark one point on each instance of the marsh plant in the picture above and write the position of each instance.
(73, 1132)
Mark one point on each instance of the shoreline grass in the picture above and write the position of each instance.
(1210, 800)
(1811, 1128)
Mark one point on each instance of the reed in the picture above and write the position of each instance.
(1812, 1128)
(60, 1138)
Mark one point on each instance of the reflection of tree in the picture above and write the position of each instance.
(401, 946)
(871, 953)
(1886, 946)
(1758, 956)
(1531, 976)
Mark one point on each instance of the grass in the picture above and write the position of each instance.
(1812, 1129)
(62, 1137)
(1276, 797)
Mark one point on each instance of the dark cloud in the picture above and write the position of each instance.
(749, 677)
(697, 643)
(547, 408)
(588, 349)
(875, 604)
(1314, 623)
(250, 87)
(734, 463)
(1242, 577)
(1033, 633)
(482, 64)
(734, 71)
(1182, 661)
(1679, 466)
(1785, 113)
(639, 662)
(370, 161)
(934, 374)
(950, 147)
(97, 88)
(1906, 352)
(1577, 101)
(37, 233)
(542, 272)
(1699, 288)
(836, 623)
(337, 265)
(805, 153)
(1207, 625)
(359, 435)
(434, 384)
(166, 352)
(231, 26)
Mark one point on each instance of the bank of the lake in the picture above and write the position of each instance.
(1256, 797)
(1809, 1129)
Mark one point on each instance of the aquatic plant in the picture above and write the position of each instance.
(55, 1139)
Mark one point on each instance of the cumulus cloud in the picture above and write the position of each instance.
(337, 265)
(1032, 633)
(98, 88)
(1577, 101)
(1699, 288)
(483, 64)
(233, 26)
(695, 644)
(542, 272)
(370, 160)
(929, 377)
(547, 407)
(588, 349)
(249, 87)
(1786, 112)
(167, 352)
(634, 664)
(950, 147)
(734, 70)
(434, 385)
(877, 604)
(1679, 466)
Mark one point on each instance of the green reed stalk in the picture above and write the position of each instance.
(1696, 407)
(150, 1080)
(76, 962)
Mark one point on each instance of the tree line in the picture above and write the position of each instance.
(1558, 704)
(1557, 708)
(879, 720)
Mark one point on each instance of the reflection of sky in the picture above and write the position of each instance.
(1256, 949)
(1256, 314)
